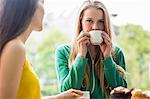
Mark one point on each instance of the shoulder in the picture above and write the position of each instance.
(13, 52)
(117, 50)
(14, 47)
(64, 48)
(63, 51)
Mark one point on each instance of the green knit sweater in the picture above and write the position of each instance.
(73, 77)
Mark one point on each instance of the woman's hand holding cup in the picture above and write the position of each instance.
(83, 40)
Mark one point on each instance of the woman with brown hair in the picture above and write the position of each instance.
(18, 18)
(82, 65)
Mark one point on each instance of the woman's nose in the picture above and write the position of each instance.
(95, 26)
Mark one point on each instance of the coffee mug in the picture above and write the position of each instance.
(86, 94)
(95, 37)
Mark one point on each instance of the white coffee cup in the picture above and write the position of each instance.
(86, 94)
(95, 37)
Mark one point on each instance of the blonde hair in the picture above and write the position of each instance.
(107, 28)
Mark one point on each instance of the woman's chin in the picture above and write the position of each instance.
(39, 29)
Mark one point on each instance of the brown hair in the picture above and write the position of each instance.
(107, 28)
(15, 17)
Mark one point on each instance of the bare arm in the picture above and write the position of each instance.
(69, 94)
(11, 65)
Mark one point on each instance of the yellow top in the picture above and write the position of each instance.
(29, 87)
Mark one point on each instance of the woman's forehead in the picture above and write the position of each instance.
(93, 13)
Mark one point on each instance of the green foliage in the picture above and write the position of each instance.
(135, 42)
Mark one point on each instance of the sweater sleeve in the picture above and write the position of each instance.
(112, 75)
(69, 77)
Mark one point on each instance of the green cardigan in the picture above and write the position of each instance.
(73, 77)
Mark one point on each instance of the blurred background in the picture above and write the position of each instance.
(131, 31)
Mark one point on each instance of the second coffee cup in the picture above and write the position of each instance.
(86, 94)
(95, 37)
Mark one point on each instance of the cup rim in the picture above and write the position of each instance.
(95, 30)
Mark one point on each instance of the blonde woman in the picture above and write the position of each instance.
(18, 18)
(84, 66)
